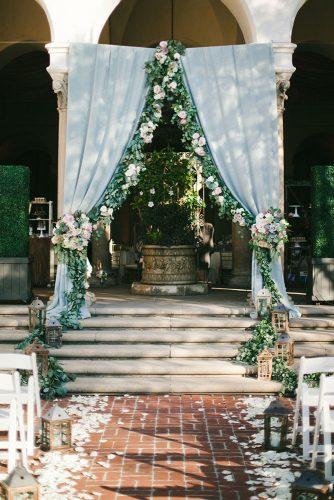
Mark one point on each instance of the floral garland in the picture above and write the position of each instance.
(166, 83)
(70, 238)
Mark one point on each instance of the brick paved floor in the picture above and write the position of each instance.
(168, 447)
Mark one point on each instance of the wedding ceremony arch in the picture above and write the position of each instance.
(224, 102)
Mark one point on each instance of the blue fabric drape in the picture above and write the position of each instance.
(106, 95)
(234, 91)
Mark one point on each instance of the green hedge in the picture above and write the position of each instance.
(14, 205)
(322, 211)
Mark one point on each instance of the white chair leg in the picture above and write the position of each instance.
(306, 431)
(30, 420)
(328, 455)
(315, 447)
(295, 422)
(12, 438)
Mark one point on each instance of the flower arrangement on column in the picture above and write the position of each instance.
(166, 83)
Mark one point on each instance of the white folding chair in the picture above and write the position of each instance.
(11, 419)
(30, 393)
(324, 423)
(308, 397)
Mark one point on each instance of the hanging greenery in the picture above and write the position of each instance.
(166, 84)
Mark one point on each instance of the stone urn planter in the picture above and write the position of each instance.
(169, 271)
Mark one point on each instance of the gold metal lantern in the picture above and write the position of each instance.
(53, 333)
(265, 365)
(280, 319)
(284, 348)
(19, 485)
(276, 424)
(263, 302)
(42, 355)
(37, 315)
(56, 430)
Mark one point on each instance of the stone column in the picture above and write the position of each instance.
(241, 257)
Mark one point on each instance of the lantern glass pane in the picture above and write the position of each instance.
(57, 436)
(29, 495)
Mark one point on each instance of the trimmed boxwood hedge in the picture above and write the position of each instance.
(14, 208)
(323, 211)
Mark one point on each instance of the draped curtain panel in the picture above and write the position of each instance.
(106, 95)
(234, 91)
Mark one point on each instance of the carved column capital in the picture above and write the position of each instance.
(282, 86)
(60, 85)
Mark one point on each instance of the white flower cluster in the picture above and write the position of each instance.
(73, 232)
(159, 93)
(216, 190)
(239, 216)
(146, 131)
(198, 142)
(106, 212)
(161, 55)
(270, 230)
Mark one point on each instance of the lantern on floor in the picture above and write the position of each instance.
(19, 485)
(56, 430)
(42, 355)
(37, 314)
(264, 365)
(276, 423)
(263, 302)
(280, 319)
(53, 333)
(284, 348)
(313, 482)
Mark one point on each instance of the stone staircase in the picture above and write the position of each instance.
(167, 347)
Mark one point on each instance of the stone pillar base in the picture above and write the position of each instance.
(181, 290)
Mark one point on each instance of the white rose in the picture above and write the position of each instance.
(163, 44)
(150, 204)
(196, 135)
(152, 191)
(177, 56)
(200, 151)
(103, 209)
(201, 141)
(157, 89)
(172, 85)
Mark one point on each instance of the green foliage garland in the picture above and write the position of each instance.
(14, 203)
(265, 336)
(52, 385)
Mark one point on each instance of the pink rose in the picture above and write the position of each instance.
(182, 114)
(217, 191)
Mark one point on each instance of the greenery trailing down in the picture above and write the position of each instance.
(323, 211)
(265, 336)
(165, 199)
(52, 385)
(263, 258)
(14, 216)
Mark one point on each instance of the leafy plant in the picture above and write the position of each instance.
(322, 211)
(165, 200)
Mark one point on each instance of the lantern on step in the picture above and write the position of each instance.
(19, 484)
(284, 348)
(42, 355)
(53, 333)
(280, 319)
(265, 365)
(276, 423)
(56, 430)
(312, 482)
(37, 314)
(263, 302)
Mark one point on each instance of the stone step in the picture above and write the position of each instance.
(164, 384)
(157, 367)
(101, 351)
(312, 323)
(314, 349)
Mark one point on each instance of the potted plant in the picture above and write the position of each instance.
(166, 203)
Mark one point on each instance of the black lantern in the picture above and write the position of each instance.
(310, 481)
(280, 319)
(53, 333)
(284, 348)
(276, 423)
(19, 485)
(56, 430)
(42, 355)
(37, 314)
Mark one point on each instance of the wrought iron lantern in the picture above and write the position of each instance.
(284, 348)
(264, 365)
(276, 423)
(53, 333)
(37, 314)
(42, 355)
(263, 302)
(313, 482)
(280, 319)
(19, 485)
(56, 430)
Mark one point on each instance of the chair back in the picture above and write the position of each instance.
(16, 361)
(9, 387)
(326, 390)
(323, 364)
